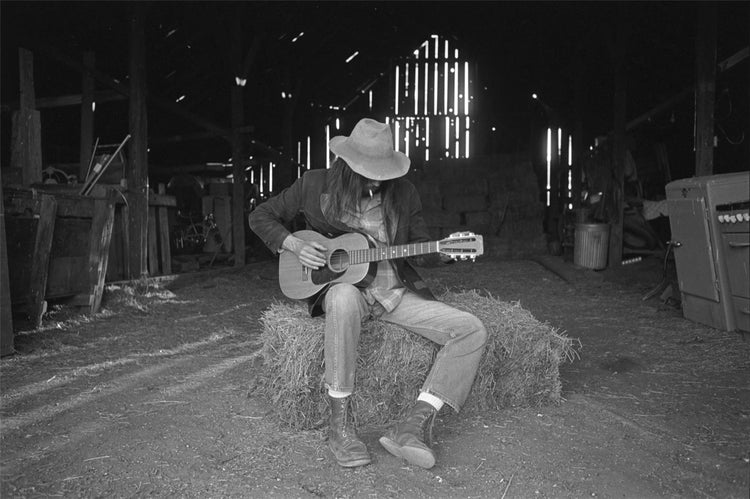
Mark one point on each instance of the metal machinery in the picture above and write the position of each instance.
(710, 219)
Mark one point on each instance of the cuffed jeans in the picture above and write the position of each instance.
(460, 333)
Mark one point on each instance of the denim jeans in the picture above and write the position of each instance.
(461, 334)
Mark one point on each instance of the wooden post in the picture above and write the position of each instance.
(40, 262)
(705, 89)
(578, 145)
(164, 240)
(137, 174)
(238, 163)
(618, 150)
(87, 116)
(153, 250)
(6, 316)
(26, 143)
(554, 194)
(101, 235)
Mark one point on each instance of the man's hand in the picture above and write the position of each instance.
(310, 253)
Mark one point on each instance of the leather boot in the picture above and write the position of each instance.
(348, 450)
(410, 439)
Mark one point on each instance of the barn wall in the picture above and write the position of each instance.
(496, 196)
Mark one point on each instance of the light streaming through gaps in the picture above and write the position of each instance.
(433, 83)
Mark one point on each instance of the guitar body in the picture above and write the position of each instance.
(298, 284)
(351, 259)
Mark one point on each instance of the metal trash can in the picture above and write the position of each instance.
(591, 246)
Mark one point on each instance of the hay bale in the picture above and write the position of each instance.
(520, 366)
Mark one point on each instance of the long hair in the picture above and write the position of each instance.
(346, 191)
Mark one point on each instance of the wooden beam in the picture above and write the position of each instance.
(153, 249)
(26, 142)
(6, 317)
(669, 103)
(619, 149)
(101, 236)
(238, 172)
(164, 239)
(137, 174)
(87, 117)
(40, 263)
(186, 137)
(705, 89)
(100, 96)
(123, 89)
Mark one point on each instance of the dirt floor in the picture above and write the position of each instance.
(151, 397)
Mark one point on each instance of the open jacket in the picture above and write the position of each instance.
(310, 193)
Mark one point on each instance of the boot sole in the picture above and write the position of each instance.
(351, 463)
(355, 463)
(413, 455)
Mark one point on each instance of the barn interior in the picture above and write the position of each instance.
(600, 148)
(121, 123)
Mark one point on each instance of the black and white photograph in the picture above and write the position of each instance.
(375, 249)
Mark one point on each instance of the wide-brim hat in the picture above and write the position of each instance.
(369, 151)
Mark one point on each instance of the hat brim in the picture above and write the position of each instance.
(397, 165)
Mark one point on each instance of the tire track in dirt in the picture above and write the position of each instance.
(37, 388)
(186, 373)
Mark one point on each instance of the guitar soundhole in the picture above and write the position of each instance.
(339, 260)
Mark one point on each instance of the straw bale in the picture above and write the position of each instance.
(520, 366)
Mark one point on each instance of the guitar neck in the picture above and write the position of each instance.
(392, 252)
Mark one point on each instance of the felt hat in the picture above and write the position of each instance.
(369, 151)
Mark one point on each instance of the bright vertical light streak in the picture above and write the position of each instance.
(468, 122)
(328, 153)
(446, 50)
(338, 124)
(406, 80)
(458, 143)
(397, 94)
(262, 190)
(455, 88)
(407, 138)
(370, 99)
(397, 131)
(252, 176)
(549, 164)
(435, 91)
(570, 170)
(447, 136)
(299, 159)
(427, 132)
(426, 85)
(416, 88)
(559, 142)
(308, 152)
(466, 89)
(270, 178)
(570, 150)
(445, 87)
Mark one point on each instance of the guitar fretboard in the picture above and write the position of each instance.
(391, 252)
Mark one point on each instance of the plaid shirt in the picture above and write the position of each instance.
(386, 289)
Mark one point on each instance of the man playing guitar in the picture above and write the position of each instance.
(362, 214)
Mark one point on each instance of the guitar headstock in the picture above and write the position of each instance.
(462, 246)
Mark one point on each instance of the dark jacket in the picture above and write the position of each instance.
(307, 196)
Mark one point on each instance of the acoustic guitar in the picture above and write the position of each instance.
(351, 259)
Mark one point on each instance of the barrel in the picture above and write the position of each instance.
(591, 245)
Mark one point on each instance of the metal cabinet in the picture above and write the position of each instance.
(709, 258)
